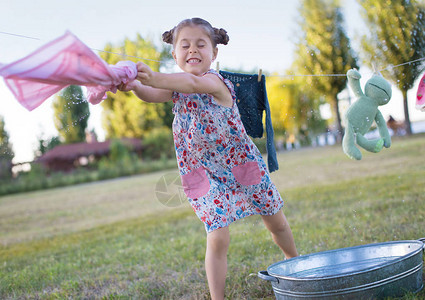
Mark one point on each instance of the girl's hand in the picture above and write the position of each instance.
(144, 74)
(129, 86)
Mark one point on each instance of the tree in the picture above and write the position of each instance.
(45, 145)
(293, 111)
(125, 115)
(71, 114)
(396, 36)
(324, 48)
(6, 152)
(282, 105)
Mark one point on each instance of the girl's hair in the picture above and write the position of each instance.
(217, 36)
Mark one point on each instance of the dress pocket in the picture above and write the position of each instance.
(248, 173)
(196, 184)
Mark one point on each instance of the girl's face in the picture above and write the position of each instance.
(193, 50)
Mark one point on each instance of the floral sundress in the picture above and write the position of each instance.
(223, 173)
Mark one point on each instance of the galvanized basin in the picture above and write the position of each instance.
(371, 271)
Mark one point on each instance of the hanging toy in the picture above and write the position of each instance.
(420, 99)
(361, 114)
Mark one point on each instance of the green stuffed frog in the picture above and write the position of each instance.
(361, 114)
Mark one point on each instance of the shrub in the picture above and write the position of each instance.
(158, 144)
(261, 144)
(120, 162)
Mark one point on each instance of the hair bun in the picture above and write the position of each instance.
(221, 36)
(217, 36)
(167, 36)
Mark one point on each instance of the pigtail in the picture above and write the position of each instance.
(168, 36)
(221, 36)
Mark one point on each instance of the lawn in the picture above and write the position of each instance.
(114, 239)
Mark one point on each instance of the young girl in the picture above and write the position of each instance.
(222, 171)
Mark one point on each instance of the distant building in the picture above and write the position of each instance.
(70, 156)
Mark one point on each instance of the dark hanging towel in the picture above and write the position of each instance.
(252, 101)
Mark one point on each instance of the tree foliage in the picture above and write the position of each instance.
(45, 145)
(282, 105)
(6, 152)
(293, 111)
(71, 114)
(125, 115)
(324, 48)
(397, 36)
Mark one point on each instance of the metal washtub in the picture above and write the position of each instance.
(389, 269)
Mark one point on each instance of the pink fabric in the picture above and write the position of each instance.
(420, 99)
(62, 62)
(248, 173)
(195, 184)
(124, 70)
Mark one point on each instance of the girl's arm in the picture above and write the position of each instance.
(185, 83)
(147, 93)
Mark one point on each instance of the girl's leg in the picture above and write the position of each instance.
(216, 261)
(281, 233)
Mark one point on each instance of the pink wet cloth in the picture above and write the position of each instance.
(420, 99)
(62, 62)
(124, 70)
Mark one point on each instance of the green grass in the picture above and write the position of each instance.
(115, 240)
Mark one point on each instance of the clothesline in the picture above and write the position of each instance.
(277, 75)
(67, 60)
(336, 75)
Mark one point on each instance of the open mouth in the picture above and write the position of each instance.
(193, 61)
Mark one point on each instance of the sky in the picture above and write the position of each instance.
(262, 35)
